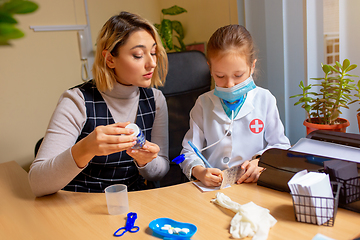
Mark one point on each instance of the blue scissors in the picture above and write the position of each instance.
(129, 227)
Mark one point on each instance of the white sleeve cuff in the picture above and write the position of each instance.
(189, 167)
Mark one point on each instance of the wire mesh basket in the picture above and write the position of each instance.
(350, 190)
(317, 210)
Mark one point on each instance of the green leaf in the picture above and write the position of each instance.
(334, 69)
(7, 18)
(166, 31)
(307, 88)
(350, 75)
(326, 68)
(7, 32)
(158, 27)
(351, 67)
(19, 7)
(177, 27)
(163, 42)
(307, 99)
(297, 95)
(354, 101)
(177, 49)
(346, 64)
(174, 10)
(182, 45)
(307, 108)
(338, 65)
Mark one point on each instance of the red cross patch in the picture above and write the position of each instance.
(256, 126)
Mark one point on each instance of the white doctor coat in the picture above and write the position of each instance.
(256, 128)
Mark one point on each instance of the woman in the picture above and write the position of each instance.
(87, 147)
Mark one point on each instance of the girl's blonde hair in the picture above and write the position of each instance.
(112, 36)
(231, 39)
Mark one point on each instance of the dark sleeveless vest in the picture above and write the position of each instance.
(103, 171)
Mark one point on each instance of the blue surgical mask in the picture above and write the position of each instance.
(236, 92)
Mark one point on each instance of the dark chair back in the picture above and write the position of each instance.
(188, 78)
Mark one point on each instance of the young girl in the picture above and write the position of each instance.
(246, 113)
(87, 147)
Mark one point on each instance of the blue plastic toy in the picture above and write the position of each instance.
(161, 227)
(129, 227)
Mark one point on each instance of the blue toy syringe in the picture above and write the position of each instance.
(181, 158)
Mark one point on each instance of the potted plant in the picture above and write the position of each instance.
(323, 108)
(167, 28)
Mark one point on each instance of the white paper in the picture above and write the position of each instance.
(292, 181)
(305, 212)
(313, 210)
(318, 185)
(204, 188)
(327, 149)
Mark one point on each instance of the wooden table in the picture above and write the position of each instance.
(69, 215)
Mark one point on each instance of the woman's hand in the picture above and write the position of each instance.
(145, 154)
(210, 177)
(104, 140)
(252, 171)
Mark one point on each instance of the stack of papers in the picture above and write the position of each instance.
(317, 203)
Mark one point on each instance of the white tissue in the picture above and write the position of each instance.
(250, 219)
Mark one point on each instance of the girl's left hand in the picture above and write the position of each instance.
(252, 171)
(145, 154)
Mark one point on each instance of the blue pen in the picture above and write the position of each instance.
(199, 154)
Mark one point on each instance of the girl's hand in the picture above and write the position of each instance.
(252, 171)
(104, 140)
(210, 177)
(145, 154)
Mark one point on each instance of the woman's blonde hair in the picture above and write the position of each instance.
(231, 39)
(112, 36)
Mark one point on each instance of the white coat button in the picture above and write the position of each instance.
(226, 160)
(228, 134)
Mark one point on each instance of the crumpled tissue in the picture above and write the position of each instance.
(250, 219)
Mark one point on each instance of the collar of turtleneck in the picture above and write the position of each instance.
(121, 91)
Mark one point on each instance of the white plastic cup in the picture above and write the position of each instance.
(140, 141)
(117, 199)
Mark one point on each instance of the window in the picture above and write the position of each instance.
(331, 48)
